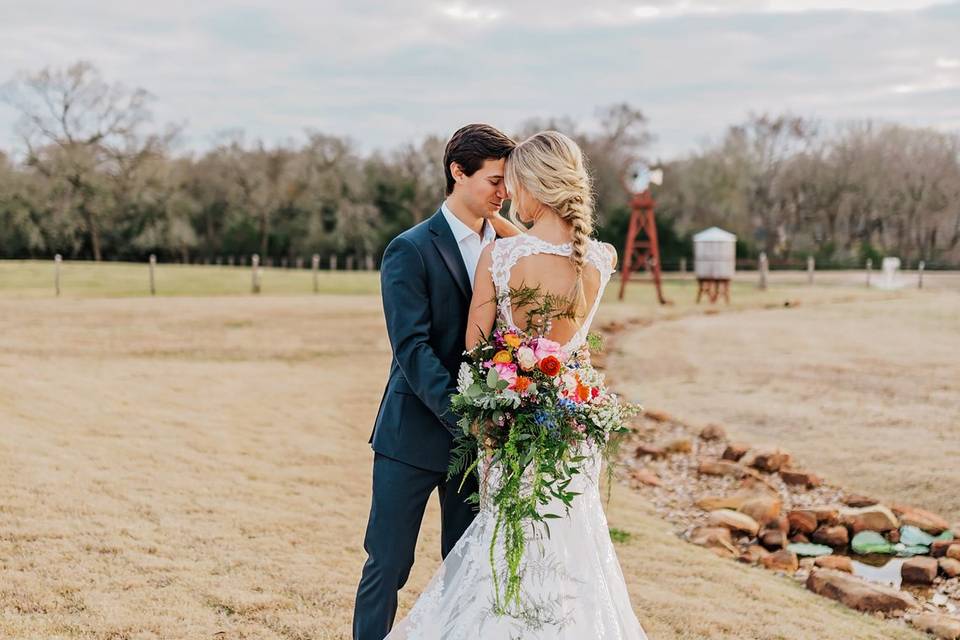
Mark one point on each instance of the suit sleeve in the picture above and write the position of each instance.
(403, 285)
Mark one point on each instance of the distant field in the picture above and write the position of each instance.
(84, 279)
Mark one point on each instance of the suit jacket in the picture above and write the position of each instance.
(426, 298)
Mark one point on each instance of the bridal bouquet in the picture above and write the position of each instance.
(533, 410)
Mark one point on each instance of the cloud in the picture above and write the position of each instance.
(385, 74)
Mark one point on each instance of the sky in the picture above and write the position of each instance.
(384, 74)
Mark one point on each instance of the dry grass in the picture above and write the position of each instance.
(182, 467)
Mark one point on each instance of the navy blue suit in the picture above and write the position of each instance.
(426, 297)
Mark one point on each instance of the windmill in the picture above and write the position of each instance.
(642, 252)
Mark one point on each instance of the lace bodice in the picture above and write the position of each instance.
(506, 253)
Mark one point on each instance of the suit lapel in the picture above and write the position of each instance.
(450, 253)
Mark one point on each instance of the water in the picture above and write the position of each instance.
(879, 569)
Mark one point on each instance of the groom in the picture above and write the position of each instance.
(426, 278)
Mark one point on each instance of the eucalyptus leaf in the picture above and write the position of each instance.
(492, 378)
(502, 384)
(946, 535)
(906, 550)
(809, 549)
(474, 390)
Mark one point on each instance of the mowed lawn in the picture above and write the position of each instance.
(196, 466)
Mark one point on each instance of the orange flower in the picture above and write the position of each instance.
(503, 357)
(512, 340)
(521, 384)
(550, 365)
(583, 392)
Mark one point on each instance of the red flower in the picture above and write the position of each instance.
(550, 365)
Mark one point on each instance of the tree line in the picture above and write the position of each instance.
(95, 178)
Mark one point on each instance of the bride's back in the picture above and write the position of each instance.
(528, 263)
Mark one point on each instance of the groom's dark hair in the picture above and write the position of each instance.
(473, 144)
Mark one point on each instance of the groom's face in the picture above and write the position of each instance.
(485, 191)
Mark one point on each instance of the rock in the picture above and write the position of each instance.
(735, 451)
(832, 535)
(714, 538)
(873, 518)
(802, 521)
(926, 520)
(825, 514)
(781, 524)
(857, 500)
(949, 567)
(720, 468)
(771, 460)
(941, 626)
(799, 537)
(782, 560)
(645, 476)
(713, 432)
(856, 593)
(647, 449)
(680, 445)
(919, 570)
(939, 547)
(953, 551)
(754, 554)
(838, 563)
(773, 539)
(801, 478)
(712, 503)
(762, 508)
(734, 520)
(658, 416)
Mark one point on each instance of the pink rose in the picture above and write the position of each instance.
(507, 372)
(545, 347)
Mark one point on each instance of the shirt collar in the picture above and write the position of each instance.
(462, 231)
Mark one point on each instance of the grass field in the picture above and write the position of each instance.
(197, 466)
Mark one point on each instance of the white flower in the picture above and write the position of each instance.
(464, 378)
(527, 358)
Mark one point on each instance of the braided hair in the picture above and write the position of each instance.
(551, 168)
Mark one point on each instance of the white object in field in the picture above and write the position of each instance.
(640, 176)
(890, 280)
(714, 254)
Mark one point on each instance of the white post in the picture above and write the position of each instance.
(57, 261)
(350, 262)
(869, 269)
(683, 264)
(315, 266)
(333, 262)
(299, 262)
(153, 263)
(764, 268)
(255, 263)
(811, 265)
(369, 262)
(920, 269)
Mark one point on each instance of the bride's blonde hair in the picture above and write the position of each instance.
(550, 167)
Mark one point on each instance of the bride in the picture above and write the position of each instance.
(572, 584)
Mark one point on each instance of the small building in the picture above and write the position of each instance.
(714, 262)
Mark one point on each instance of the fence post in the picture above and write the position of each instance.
(811, 266)
(255, 263)
(920, 269)
(283, 262)
(315, 266)
(369, 262)
(683, 264)
(333, 262)
(869, 269)
(350, 262)
(299, 262)
(57, 261)
(153, 264)
(764, 268)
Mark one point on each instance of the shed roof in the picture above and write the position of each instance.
(714, 234)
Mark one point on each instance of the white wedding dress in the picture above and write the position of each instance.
(573, 588)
